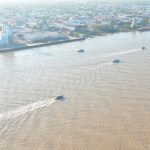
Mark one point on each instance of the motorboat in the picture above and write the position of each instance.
(81, 50)
(116, 61)
(143, 48)
(60, 97)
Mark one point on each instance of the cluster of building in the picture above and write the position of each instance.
(25, 25)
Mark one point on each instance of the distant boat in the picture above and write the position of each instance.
(61, 97)
(81, 50)
(143, 48)
(116, 61)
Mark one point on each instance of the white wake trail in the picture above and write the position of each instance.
(122, 53)
(26, 109)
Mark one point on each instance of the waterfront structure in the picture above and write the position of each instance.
(6, 36)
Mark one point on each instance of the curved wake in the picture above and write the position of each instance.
(26, 109)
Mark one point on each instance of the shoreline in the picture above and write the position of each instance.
(19, 48)
(37, 45)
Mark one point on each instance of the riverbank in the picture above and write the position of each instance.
(39, 45)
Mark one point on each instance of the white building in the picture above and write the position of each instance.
(6, 35)
(4, 40)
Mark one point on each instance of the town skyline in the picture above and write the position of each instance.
(29, 24)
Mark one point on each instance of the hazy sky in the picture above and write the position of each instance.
(51, 1)
(28, 1)
(41, 1)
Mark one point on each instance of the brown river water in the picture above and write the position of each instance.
(106, 106)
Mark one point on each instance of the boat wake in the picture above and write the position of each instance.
(122, 53)
(26, 109)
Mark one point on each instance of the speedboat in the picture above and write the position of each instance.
(116, 61)
(81, 50)
(60, 97)
(143, 48)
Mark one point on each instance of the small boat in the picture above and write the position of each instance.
(116, 61)
(59, 97)
(143, 48)
(81, 50)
